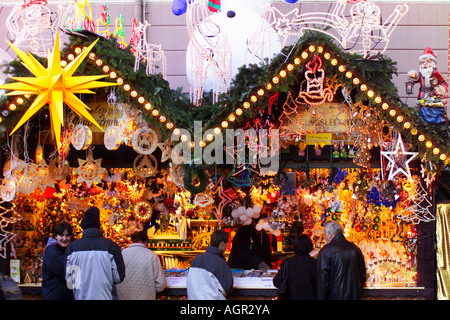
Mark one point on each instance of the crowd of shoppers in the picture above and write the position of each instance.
(95, 268)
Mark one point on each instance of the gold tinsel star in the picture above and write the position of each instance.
(54, 86)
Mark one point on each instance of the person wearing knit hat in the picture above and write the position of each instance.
(94, 264)
(91, 219)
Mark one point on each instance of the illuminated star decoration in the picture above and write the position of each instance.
(54, 86)
(397, 161)
(89, 170)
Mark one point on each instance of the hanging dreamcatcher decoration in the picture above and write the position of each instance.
(58, 168)
(89, 170)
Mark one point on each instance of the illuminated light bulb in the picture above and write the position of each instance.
(92, 56)
(112, 75)
(253, 98)
(202, 143)
(327, 55)
(378, 99)
(442, 156)
(176, 131)
(12, 107)
(268, 86)
(312, 48)
(414, 131)
(192, 144)
(385, 106)
(283, 73)
(169, 125)
(155, 112)
(275, 80)
(231, 117)
(334, 62)
(246, 105)
(428, 144)
(392, 113)
(319, 49)
(356, 81)
(1, 119)
(183, 137)
(348, 74)
(363, 87)
(370, 93)
(77, 50)
(290, 67)
(141, 100)
(99, 62)
(126, 87)
(400, 119)
(260, 92)
(27, 95)
(105, 68)
(239, 111)
(217, 130)
(297, 61)
(19, 100)
(209, 137)
(119, 80)
(224, 124)
(421, 137)
(407, 125)
(162, 119)
(133, 94)
(342, 68)
(148, 106)
(304, 54)
(436, 151)
(63, 63)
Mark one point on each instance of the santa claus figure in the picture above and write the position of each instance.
(432, 89)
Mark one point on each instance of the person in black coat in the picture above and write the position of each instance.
(341, 267)
(54, 285)
(250, 249)
(300, 270)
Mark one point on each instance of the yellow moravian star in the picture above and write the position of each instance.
(54, 86)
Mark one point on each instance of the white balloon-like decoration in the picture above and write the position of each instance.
(245, 215)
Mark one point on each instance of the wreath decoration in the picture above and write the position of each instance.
(143, 211)
(195, 179)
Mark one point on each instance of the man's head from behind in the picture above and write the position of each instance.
(219, 239)
(332, 229)
(91, 218)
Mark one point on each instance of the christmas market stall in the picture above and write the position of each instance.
(316, 133)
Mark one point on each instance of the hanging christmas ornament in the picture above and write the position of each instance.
(203, 199)
(89, 170)
(145, 165)
(144, 141)
(111, 138)
(399, 159)
(143, 211)
(58, 168)
(81, 137)
(45, 180)
(55, 86)
(28, 179)
(9, 188)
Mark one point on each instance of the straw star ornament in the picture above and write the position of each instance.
(54, 86)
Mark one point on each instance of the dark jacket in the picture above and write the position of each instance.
(53, 268)
(301, 277)
(250, 248)
(341, 270)
(94, 265)
(209, 276)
